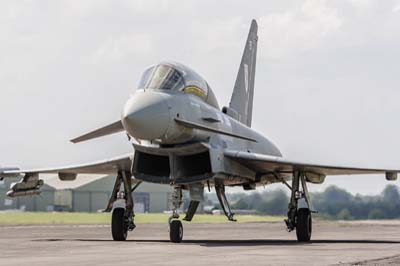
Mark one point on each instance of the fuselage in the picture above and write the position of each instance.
(168, 91)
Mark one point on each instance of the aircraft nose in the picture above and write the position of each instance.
(146, 115)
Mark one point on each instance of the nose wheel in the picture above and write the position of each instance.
(175, 231)
(175, 225)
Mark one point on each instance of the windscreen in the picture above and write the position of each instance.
(161, 77)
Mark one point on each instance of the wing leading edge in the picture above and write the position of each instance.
(269, 164)
(100, 132)
(109, 166)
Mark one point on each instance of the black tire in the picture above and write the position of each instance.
(119, 228)
(175, 231)
(303, 225)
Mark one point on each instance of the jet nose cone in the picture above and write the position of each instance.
(146, 115)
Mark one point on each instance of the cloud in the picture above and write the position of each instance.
(299, 29)
(222, 34)
(363, 4)
(329, 68)
(117, 48)
(396, 9)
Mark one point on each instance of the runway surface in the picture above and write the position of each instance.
(355, 243)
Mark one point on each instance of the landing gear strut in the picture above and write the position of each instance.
(175, 225)
(299, 219)
(220, 190)
(121, 204)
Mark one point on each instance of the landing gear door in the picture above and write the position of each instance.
(216, 160)
(222, 164)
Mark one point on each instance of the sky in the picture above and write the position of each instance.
(326, 91)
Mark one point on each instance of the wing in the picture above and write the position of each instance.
(270, 164)
(109, 166)
(100, 132)
(30, 184)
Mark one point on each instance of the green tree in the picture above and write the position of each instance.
(247, 202)
(275, 204)
(344, 214)
(332, 200)
(375, 214)
(391, 194)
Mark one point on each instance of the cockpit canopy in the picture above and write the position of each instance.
(177, 77)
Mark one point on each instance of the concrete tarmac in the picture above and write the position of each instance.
(344, 243)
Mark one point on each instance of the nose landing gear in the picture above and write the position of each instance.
(175, 225)
(175, 231)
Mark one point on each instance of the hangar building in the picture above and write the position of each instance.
(31, 203)
(88, 193)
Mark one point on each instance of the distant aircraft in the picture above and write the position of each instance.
(182, 138)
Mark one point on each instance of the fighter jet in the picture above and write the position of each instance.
(182, 138)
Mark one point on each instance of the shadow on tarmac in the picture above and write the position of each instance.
(248, 242)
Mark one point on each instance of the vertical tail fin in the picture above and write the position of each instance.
(243, 92)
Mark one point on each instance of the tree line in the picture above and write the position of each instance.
(333, 203)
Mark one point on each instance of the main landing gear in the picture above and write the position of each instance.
(121, 204)
(299, 219)
(119, 224)
(175, 225)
